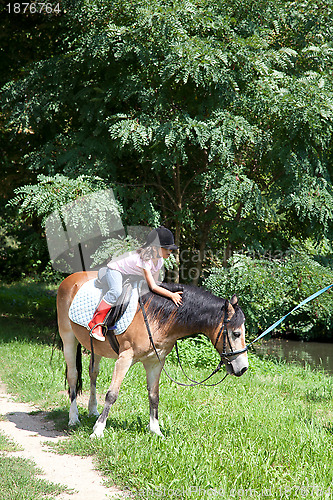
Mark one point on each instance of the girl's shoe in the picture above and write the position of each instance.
(98, 320)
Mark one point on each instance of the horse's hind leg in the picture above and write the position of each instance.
(153, 371)
(72, 353)
(121, 367)
(92, 405)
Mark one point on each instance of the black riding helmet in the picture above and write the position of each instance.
(161, 237)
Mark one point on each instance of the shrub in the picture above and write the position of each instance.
(28, 299)
(267, 290)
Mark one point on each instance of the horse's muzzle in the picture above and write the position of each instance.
(233, 368)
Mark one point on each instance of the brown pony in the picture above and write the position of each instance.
(200, 312)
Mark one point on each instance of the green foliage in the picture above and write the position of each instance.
(267, 290)
(171, 262)
(204, 116)
(51, 194)
(22, 250)
(112, 248)
(29, 300)
(6, 444)
(197, 352)
(24, 243)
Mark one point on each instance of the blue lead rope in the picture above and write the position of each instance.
(295, 308)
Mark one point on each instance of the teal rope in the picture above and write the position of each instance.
(308, 299)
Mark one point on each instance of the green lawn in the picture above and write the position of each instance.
(18, 476)
(266, 435)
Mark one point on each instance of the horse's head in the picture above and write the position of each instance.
(231, 339)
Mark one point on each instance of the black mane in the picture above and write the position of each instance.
(200, 310)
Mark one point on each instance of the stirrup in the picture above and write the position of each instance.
(92, 329)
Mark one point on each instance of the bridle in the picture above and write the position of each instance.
(224, 355)
(225, 337)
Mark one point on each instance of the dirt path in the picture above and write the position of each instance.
(31, 432)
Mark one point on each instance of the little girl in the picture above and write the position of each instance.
(146, 262)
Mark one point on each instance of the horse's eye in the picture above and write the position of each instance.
(237, 334)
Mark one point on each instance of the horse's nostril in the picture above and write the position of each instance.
(241, 372)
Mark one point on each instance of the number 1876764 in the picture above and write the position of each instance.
(33, 8)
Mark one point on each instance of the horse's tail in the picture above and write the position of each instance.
(79, 369)
(78, 388)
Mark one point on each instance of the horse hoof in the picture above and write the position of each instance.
(93, 436)
(156, 432)
(74, 423)
(155, 429)
(96, 435)
(159, 434)
(98, 430)
(93, 413)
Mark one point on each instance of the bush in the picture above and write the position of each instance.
(267, 290)
(23, 250)
(28, 300)
(197, 351)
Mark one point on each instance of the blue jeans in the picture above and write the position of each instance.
(115, 283)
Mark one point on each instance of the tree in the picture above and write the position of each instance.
(25, 39)
(215, 119)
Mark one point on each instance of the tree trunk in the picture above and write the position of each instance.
(178, 196)
(229, 248)
(202, 247)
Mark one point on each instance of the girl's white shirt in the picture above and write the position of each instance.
(133, 264)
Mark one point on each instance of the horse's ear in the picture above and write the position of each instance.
(234, 300)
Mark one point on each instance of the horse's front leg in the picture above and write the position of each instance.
(153, 371)
(92, 405)
(122, 365)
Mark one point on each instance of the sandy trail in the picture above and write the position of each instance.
(31, 432)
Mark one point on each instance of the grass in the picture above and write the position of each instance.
(19, 477)
(19, 481)
(7, 444)
(267, 435)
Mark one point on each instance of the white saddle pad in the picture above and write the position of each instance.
(86, 301)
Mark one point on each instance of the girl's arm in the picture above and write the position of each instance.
(176, 297)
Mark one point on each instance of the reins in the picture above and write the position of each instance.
(223, 330)
(194, 383)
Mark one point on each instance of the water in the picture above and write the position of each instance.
(318, 355)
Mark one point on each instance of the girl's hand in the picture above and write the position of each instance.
(176, 297)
